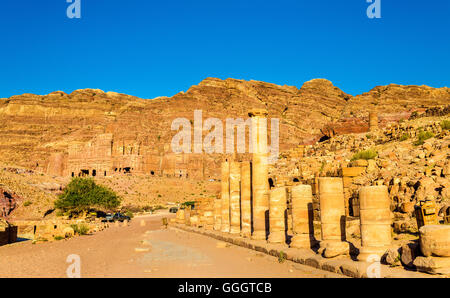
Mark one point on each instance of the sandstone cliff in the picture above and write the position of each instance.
(33, 126)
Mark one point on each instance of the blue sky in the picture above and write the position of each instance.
(158, 48)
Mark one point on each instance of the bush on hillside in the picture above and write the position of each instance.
(366, 154)
(445, 124)
(423, 136)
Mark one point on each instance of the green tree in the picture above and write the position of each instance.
(82, 194)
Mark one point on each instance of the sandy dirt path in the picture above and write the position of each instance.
(146, 251)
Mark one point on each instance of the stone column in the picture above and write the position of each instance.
(332, 217)
(375, 217)
(246, 202)
(217, 213)
(208, 214)
(373, 121)
(289, 223)
(260, 175)
(225, 220)
(235, 197)
(277, 215)
(302, 217)
(187, 215)
(199, 206)
(180, 216)
(194, 220)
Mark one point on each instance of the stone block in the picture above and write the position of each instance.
(409, 252)
(353, 171)
(435, 240)
(433, 265)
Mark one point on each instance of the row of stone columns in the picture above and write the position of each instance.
(248, 207)
(268, 221)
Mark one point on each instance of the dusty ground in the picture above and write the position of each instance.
(122, 252)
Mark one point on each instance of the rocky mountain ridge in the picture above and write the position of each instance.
(33, 126)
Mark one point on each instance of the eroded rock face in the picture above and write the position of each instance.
(8, 202)
(63, 121)
(69, 120)
(393, 98)
(8, 232)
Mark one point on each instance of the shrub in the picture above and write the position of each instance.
(158, 207)
(366, 154)
(414, 115)
(80, 229)
(322, 166)
(83, 194)
(422, 137)
(27, 203)
(147, 208)
(132, 209)
(57, 238)
(404, 137)
(445, 124)
(281, 257)
(187, 204)
(129, 214)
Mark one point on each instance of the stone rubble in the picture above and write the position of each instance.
(316, 192)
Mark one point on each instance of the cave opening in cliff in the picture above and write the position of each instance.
(84, 173)
(324, 139)
(295, 180)
(105, 173)
(271, 184)
(94, 173)
(73, 174)
(152, 173)
(127, 170)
